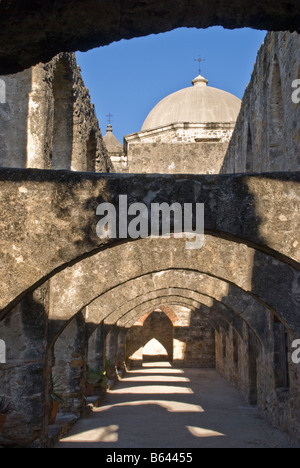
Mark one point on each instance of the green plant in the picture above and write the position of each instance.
(5, 405)
(104, 381)
(95, 376)
(110, 370)
(108, 364)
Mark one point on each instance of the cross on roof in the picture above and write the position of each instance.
(199, 59)
(109, 117)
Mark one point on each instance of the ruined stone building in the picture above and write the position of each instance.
(71, 301)
(267, 133)
(49, 122)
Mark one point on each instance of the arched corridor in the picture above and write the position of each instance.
(161, 406)
(84, 317)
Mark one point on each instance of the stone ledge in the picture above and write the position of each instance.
(49, 27)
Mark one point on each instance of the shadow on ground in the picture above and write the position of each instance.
(160, 406)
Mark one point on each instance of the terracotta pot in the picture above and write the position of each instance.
(55, 408)
(2, 421)
(90, 390)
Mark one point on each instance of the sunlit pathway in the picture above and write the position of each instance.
(159, 406)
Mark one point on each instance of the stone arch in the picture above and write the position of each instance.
(276, 295)
(249, 352)
(276, 117)
(230, 312)
(237, 210)
(62, 88)
(217, 319)
(217, 313)
(83, 28)
(185, 299)
(167, 311)
(105, 308)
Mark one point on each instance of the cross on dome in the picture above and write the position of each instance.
(109, 118)
(199, 60)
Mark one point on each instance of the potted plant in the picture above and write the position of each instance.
(5, 409)
(94, 377)
(110, 370)
(56, 398)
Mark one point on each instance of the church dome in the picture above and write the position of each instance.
(197, 104)
(112, 144)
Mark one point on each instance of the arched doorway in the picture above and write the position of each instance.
(158, 334)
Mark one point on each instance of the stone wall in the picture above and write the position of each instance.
(264, 373)
(49, 122)
(267, 133)
(185, 158)
(182, 148)
(194, 339)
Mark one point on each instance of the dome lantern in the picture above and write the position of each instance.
(200, 81)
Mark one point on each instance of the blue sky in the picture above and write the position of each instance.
(128, 78)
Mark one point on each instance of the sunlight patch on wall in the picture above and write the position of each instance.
(155, 348)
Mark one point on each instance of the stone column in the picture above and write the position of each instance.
(24, 378)
(121, 349)
(95, 348)
(253, 351)
(40, 121)
(13, 119)
(70, 365)
(111, 350)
